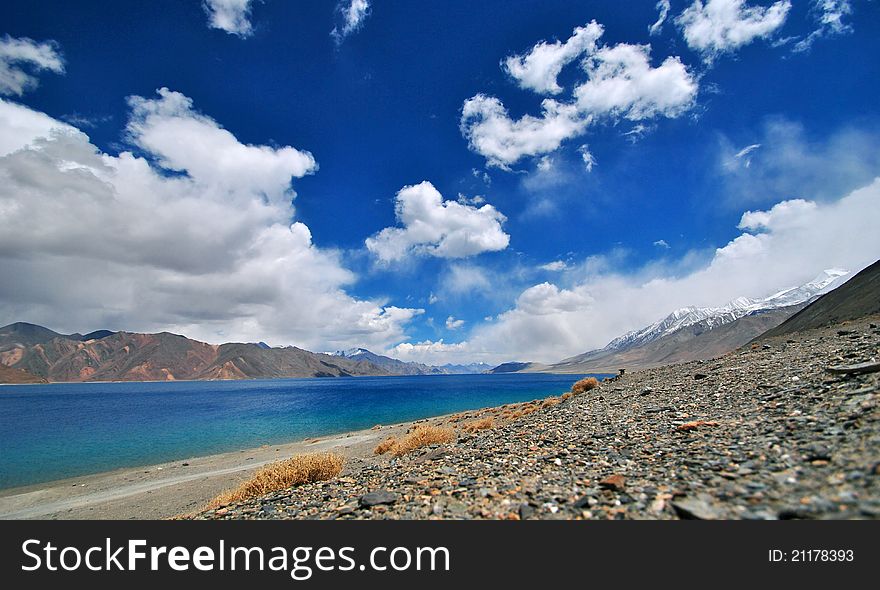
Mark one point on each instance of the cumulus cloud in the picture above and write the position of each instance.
(538, 68)
(663, 7)
(184, 140)
(232, 16)
(783, 246)
(503, 141)
(662, 244)
(453, 324)
(722, 26)
(830, 16)
(352, 13)
(432, 226)
(21, 58)
(170, 241)
(621, 84)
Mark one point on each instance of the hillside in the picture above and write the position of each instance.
(858, 297)
(392, 365)
(10, 375)
(29, 352)
(696, 342)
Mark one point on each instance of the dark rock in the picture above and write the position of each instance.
(582, 502)
(698, 376)
(376, 498)
(526, 511)
(696, 508)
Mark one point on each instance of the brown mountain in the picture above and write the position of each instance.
(695, 342)
(26, 349)
(856, 298)
(10, 375)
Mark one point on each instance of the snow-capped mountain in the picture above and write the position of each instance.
(739, 307)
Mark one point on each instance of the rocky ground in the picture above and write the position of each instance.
(762, 433)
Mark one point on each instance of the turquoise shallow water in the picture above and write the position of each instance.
(56, 431)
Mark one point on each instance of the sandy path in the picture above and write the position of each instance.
(168, 489)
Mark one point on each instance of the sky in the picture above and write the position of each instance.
(439, 181)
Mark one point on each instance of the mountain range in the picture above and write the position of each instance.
(34, 354)
(696, 333)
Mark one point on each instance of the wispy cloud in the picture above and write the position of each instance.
(352, 14)
(21, 58)
(663, 6)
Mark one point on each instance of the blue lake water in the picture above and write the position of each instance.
(55, 431)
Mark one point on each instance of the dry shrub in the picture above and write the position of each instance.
(585, 385)
(385, 446)
(566, 395)
(297, 470)
(550, 402)
(423, 436)
(484, 424)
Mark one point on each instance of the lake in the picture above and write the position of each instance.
(56, 431)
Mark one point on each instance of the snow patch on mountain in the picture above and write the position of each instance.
(827, 281)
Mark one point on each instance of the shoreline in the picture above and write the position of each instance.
(173, 488)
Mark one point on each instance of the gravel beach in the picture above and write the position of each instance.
(767, 432)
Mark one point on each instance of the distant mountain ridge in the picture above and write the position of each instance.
(399, 367)
(712, 317)
(695, 333)
(33, 354)
(858, 297)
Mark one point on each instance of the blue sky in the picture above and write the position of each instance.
(535, 238)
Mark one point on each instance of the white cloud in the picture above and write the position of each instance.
(587, 157)
(232, 16)
(663, 6)
(722, 26)
(19, 57)
(784, 246)
(99, 240)
(490, 131)
(830, 16)
(453, 324)
(184, 140)
(662, 244)
(427, 350)
(620, 84)
(445, 229)
(555, 266)
(538, 69)
(353, 14)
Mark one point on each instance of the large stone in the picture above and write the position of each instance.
(376, 498)
(696, 508)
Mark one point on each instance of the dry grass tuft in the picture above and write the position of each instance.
(297, 470)
(566, 395)
(385, 446)
(550, 402)
(484, 424)
(423, 436)
(585, 385)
